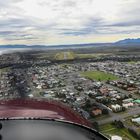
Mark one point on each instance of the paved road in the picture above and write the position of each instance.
(65, 55)
(118, 89)
(122, 91)
(113, 116)
(120, 116)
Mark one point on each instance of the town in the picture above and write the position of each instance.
(102, 91)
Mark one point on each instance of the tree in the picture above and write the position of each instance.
(95, 125)
(88, 104)
(108, 80)
(118, 124)
(105, 111)
(123, 109)
(130, 96)
(133, 132)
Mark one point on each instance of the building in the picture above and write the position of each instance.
(137, 101)
(137, 120)
(116, 137)
(127, 105)
(116, 108)
(96, 112)
(128, 100)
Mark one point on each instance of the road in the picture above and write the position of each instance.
(70, 77)
(120, 116)
(113, 116)
(65, 55)
(118, 89)
(122, 91)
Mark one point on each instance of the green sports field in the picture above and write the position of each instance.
(99, 76)
(64, 56)
(110, 130)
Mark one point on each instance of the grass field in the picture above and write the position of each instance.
(129, 123)
(64, 56)
(92, 55)
(59, 56)
(72, 55)
(109, 130)
(133, 62)
(98, 75)
(85, 55)
(43, 55)
(4, 69)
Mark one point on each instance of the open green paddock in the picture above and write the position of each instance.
(99, 75)
(109, 130)
(64, 56)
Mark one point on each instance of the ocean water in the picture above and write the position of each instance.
(11, 50)
(2, 51)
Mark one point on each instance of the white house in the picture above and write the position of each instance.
(127, 105)
(116, 108)
(115, 137)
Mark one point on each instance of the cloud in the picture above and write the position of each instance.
(41, 20)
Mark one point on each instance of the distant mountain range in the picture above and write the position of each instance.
(128, 41)
(121, 43)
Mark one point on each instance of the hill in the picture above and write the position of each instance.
(129, 41)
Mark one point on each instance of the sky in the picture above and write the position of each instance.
(52, 22)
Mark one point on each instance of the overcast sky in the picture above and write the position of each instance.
(68, 21)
